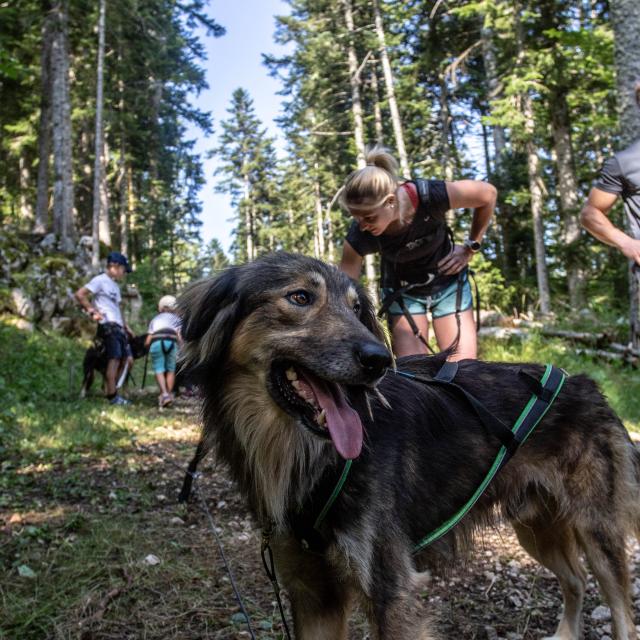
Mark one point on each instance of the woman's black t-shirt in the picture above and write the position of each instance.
(412, 256)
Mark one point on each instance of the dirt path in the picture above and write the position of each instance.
(113, 556)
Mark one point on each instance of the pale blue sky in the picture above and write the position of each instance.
(235, 60)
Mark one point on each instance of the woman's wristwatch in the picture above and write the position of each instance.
(473, 245)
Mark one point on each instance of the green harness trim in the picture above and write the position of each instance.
(498, 462)
(544, 395)
(334, 495)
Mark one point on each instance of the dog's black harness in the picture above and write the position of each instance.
(307, 528)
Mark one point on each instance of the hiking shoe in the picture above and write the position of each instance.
(119, 400)
(165, 400)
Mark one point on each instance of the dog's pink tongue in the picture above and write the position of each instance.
(343, 422)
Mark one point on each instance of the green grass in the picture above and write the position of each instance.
(80, 508)
(619, 382)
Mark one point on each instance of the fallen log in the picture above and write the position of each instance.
(578, 336)
(612, 356)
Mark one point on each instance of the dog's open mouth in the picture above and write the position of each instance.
(321, 405)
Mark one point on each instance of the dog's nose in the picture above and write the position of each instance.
(373, 357)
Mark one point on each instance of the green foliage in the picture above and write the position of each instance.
(614, 380)
(495, 291)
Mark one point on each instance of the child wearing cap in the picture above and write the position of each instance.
(163, 340)
(106, 311)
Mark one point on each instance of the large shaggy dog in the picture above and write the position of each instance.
(296, 379)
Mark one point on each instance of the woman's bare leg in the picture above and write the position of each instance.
(446, 330)
(404, 342)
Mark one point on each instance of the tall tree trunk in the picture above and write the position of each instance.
(625, 18)
(391, 93)
(568, 191)
(445, 132)
(131, 217)
(44, 128)
(496, 174)
(377, 111)
(358, 128)
(122, 169)
(319, 222)
(63, 199)
(26, 208)
(100, 226)
(493, 83)
(535, 178)
(248, 220)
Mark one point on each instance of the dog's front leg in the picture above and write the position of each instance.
(394, 609)
(320, 602)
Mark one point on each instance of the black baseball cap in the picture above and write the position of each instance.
(117, 258)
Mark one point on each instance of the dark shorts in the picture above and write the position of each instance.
(115, 341)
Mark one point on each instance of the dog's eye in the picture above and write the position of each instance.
(301, 298)
(356, 308)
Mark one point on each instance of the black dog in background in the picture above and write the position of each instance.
(95, 359)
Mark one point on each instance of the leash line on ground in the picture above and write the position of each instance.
(212, 526)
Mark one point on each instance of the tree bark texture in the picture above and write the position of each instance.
(568, 192)
(63, 197)
(625, 18)
(100, 226)
(396, 121)
(41, 223)
(535, 178)
(358, 130)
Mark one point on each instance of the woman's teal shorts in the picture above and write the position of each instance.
(163, 355)
(440, 304)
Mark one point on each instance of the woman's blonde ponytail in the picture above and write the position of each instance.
(367, 188)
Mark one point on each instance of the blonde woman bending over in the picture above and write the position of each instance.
(422, 269)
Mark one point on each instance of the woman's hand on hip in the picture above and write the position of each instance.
(455, 261)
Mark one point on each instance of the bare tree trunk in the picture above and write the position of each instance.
(493, 82)
(391, 93)
(625, 18)
(63, 200)
(535, 181)
(626, 26)
(122, 183)
(568, 191)
(320, 250)
(358, 127)
(44, 129)
(26, 208)
(248, 221)
(131, 217)
(377, 111)
(445, 131)
(100, 230)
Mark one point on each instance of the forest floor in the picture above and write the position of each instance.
(94, 546)
(97, 547)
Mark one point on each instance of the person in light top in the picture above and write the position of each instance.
(101, 299)
(163, 341)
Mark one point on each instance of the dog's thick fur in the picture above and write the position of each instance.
(95, 359)
(571, 489)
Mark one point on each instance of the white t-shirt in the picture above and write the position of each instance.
(106, 298)
(165, 320)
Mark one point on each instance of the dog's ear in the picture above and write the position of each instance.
(209, 312)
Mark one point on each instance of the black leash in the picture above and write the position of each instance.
(203, 506)
(270, 569)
